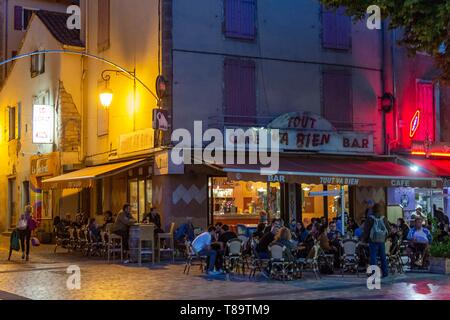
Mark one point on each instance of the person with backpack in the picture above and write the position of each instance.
(375, 234)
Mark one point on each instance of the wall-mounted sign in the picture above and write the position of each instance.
(160, 119)
(134, 142)
(310, 132)
(43, 124)
(415, 124)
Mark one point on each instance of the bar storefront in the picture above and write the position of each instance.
(309, 187)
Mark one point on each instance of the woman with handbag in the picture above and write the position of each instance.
(25, 235)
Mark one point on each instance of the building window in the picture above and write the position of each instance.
(104, 22)
(22, 17)
(240, 92)
(25, 193)
(37, 64)
(337, 98)
(12, 123)
(240, 19)
(426, 130)
(337, 28)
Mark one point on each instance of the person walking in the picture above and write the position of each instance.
(375, 234)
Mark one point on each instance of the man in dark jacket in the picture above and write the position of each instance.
(375, 234)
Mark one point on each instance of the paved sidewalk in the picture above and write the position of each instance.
(45, 277)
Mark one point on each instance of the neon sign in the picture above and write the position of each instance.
(415, 123)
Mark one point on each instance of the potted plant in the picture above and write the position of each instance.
(440, 253)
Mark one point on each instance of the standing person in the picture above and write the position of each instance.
(122, 226)
(369, 209)
(25, 226)
(375, 233)
(202, 246)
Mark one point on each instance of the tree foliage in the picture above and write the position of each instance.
(425, 23)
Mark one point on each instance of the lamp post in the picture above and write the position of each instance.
(106, 96)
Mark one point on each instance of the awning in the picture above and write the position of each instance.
(86, 177)
(440, 168)
(338, 171)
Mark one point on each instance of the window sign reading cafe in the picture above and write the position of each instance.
(304, 131)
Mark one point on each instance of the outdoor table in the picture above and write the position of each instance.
(135, 237)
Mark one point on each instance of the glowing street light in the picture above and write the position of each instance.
(106, 97)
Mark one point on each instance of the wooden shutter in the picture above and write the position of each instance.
(336, 29)
(337, 98)
(240, 19)
(425, 103)
(18, 18)
(104, 24)
(240, 92)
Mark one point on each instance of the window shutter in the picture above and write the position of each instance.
(240, 16)
(329, 34)
(337, 28)
(425, 103)
(104, 24)
(240, 92)
(18, 18)
(337, 99)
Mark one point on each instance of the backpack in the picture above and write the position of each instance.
(378, 233)
(15, 245)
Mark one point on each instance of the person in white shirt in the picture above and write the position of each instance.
(202, 246)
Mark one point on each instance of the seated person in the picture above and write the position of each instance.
(94, 231)
(403, 228)
(122, 226)
(394, 237)
(185, 231)
(202, 247)
(284, 237)
(332, 232)
(225, 235)
(443, 235)
(259, 231)
(300, 232)
(108, 219)
(359, 231)
(419, 241)
(154, 217)
(263, 246)
(352, 225)
(326, 246)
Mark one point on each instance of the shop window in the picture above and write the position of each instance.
(240, 91)
(104, 23)
(337, 28)
(337, 98)
(139, 195)
(242, 202)
(240, 17)
(425, 104)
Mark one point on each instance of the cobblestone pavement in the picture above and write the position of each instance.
(45, 277)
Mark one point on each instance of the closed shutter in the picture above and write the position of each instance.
(240, 92)
(337, 99)
(336, 32)
(240, 17)
(425, 103)
(104, 24)
(18, 18)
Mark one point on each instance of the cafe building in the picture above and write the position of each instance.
(322, 172)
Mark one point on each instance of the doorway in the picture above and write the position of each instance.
(12, 203)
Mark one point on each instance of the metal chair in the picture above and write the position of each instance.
(256, 263)
(114, 243)
(233, 261)
(147, 234)
(349, 259)
(311, 263)
(167, 236)
(191, 258)
(280, 268)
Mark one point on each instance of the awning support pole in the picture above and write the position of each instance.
(343, 210)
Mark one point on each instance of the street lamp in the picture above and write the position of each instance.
(106, 97)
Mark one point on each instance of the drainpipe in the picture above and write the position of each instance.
(5, 70)
(383, 88)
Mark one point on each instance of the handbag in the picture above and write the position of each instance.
(35, 242)
(15, 244)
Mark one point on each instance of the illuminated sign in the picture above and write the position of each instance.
(415, 123)
(43, 124)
